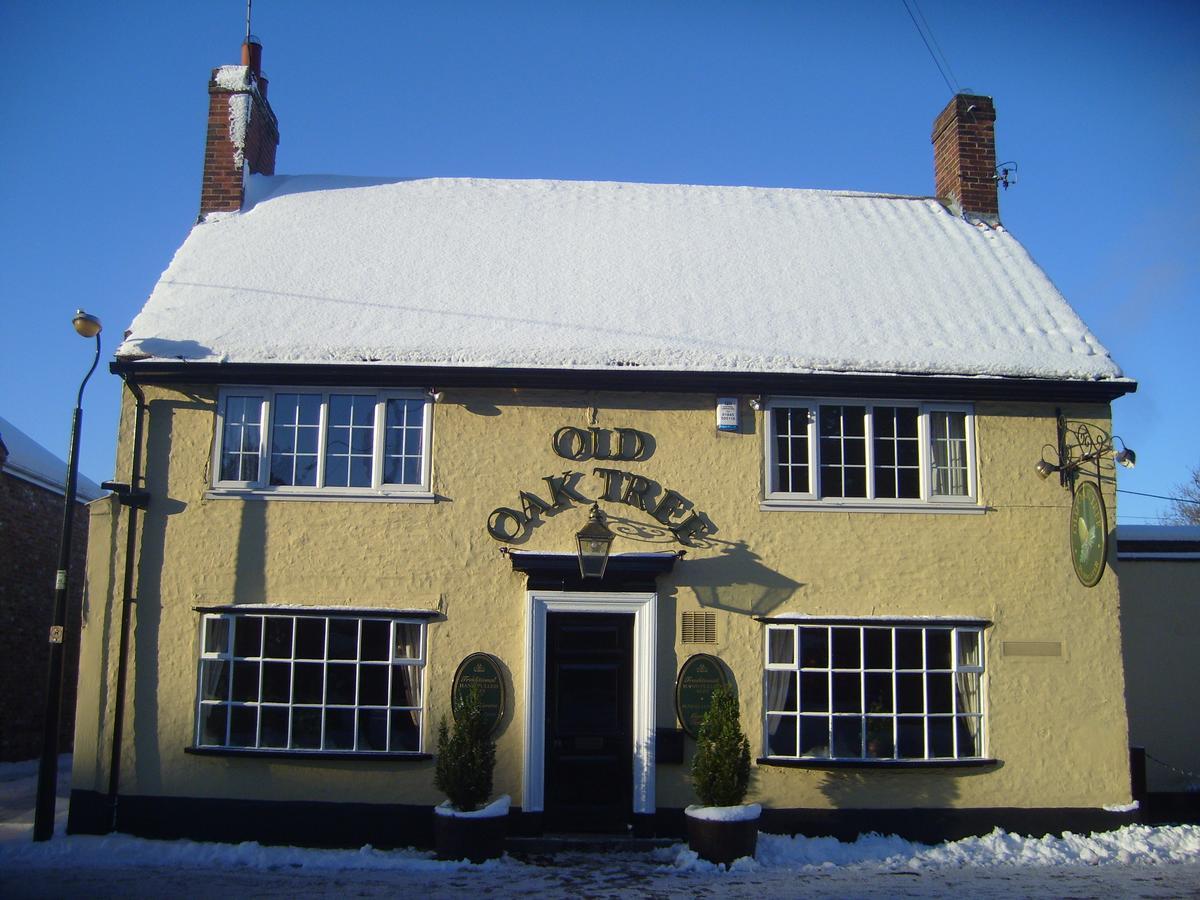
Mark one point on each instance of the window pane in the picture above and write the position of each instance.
(791, 449)
(878, 642)
(406, 731)
(240, 442)
(948, 437)
(910, 692)
(911, 744)
(214, 679)
(350, 440)
(373, 685)
(310, 638)
(243, 726)
(847, 736)
(343, 638)
(296, 420)
(879, 738)
(247, 636)
(781, 691)
(937, 648)
(213, 720)
(376, 636)
(276, 682)
(847, 692)
(941, 737)
(216, 635)
(897, 473)
(879, 692)
(814, 647)
(781, 646)
(340, 683)
(781, 735)
(274, 727)
(339, 729)
(938, 693)
(814, 736)
(245, 681)
(372, 729)
(408, 641)
(908, 649)
(279, 637)
(846, 648)
(968, 648)
(309, 683)
(403, 444)
(843, 451)
(306, 729)
(406, 686)
(814, 692)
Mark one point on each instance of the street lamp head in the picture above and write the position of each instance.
(86, 324)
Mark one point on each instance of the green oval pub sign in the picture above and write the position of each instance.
(481, 672)
(699, 676)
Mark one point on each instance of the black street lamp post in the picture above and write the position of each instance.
(43, 820)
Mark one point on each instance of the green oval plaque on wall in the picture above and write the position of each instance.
(699, 676)
(482, 672)
(1089, 533)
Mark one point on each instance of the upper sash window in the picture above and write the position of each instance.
(843, 452)
(338, 441)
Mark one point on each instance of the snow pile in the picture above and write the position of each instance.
(744, 813)
(233, 78)
(495, 809)
(600, 275)
(1133, 844)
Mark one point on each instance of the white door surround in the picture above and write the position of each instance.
(643, 608)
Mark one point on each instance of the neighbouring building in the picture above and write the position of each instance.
(370, 417)
(1159, 569)
(31, 521)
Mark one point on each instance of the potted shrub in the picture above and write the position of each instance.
(466, 826)
(720, 827)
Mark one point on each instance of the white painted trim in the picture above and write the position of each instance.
(643, 608)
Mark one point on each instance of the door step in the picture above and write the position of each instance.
(552, 844)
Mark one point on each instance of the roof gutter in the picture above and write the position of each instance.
(367, 374)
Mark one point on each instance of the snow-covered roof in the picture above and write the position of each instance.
(605, 275)
(30, 461)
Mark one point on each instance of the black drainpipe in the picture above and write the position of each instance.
(135, 498)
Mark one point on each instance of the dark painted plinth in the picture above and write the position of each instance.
(722, 842)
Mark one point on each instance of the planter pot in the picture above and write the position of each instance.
(721, 834)
(476, 836)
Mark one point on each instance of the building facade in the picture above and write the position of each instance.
(31, 514)
(370, 420)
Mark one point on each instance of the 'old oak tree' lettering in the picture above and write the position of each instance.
(669, 508)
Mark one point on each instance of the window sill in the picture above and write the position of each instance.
(825, 763)
(309, 754)
(320, 495)
(964, 508)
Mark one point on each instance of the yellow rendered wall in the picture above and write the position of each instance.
(1160, 622)
(1054, 694)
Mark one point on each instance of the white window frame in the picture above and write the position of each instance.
(812, 499)
(796, 666)
(228, 657)
(378, 490)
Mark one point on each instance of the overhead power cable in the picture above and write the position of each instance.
(943, 66)
(1159, 496)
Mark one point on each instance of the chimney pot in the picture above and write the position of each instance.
(252, 55)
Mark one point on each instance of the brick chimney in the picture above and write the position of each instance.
(242, 131)
(964, 157)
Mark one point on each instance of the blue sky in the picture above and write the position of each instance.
(104, 110)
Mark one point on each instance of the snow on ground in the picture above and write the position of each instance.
(1132, 861)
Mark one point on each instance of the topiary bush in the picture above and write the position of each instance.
(466, 756)
(721, 766)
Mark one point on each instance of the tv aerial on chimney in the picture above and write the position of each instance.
(1006, 174)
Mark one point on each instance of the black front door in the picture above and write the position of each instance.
(589, 722)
